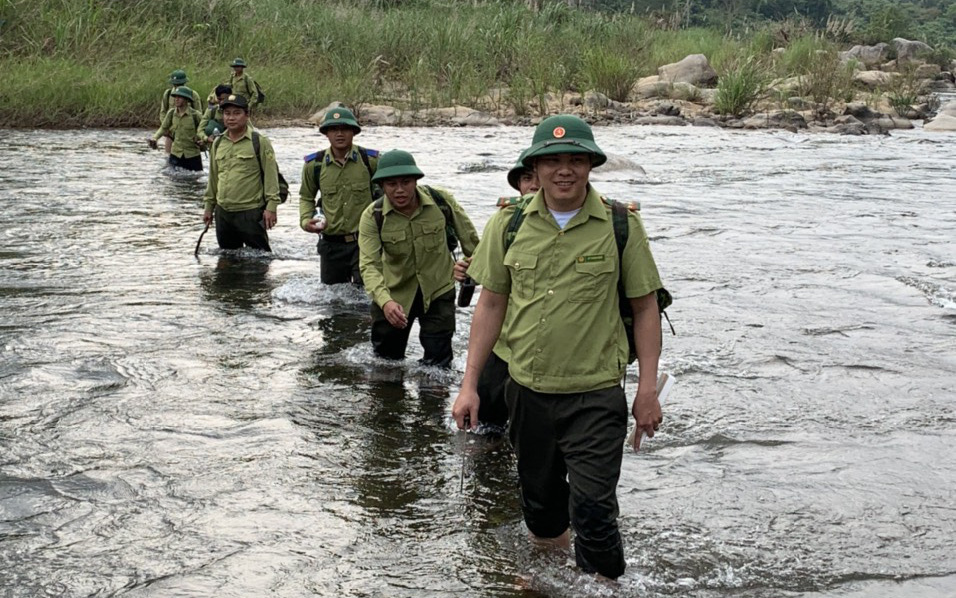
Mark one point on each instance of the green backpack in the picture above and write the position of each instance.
(619, 215)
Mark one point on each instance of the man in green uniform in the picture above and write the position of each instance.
(243, 189)
(557, 279)
(406, 262)
(179, 126)
(176, 79)
(212, 124)
(242, 83)
(345, 189)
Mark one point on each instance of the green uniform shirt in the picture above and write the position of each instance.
(244, 86)
(182, 128)
(346, 190)
(214, 113)
(565, 331)
(167, 102)
(411, 251)
(235, 181)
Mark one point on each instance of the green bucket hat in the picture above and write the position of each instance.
(514, 175)
(239, 62)
(177, 77)
(563, 134)
(396, 163)
(183, 92)
(339, 116)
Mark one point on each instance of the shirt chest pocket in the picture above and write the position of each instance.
(396, 243)
(432, 236)
(591, 281)
(523, 267)
(238, 161)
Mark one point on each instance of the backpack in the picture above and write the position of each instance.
(260, 95)
(451, 237)
(283, 184)
(211, 123)
(317, 171)
(619, 216)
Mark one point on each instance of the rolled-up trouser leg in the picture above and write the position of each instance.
(437, 329)
(593, 427)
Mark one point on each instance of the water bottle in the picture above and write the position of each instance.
(466, 292)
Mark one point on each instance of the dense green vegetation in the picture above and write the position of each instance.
(105, 62)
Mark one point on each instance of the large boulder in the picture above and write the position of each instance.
(776, 119)
(320, 115)
(380, 115)
(910, 50)
(651, 87)
(694, 69)
(942, 123)
(874, 79)
(867, 55)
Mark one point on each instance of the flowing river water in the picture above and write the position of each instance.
(174, 426)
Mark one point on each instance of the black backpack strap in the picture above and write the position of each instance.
(451, 236)
(379, 217)
(517, 217)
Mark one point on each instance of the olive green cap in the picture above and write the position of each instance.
(177, 77)
(396, 163)
(183, 92)
(563, 134)
(339, 116)
(514, 175)
(239, 62)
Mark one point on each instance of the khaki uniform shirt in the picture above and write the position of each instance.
(182, 128)
(345, 190)
(411, 252)
(235, 181)
(565, 331)
(244, 86)
(167, 102)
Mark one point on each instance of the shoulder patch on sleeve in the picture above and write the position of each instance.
(312, 156)
(504, 202)
(371, 153)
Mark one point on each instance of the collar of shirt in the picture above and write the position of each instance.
(246, 135)
(353, 155)
(593, 206)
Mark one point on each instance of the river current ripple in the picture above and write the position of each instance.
(173, 426)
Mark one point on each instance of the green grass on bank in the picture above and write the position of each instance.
(69, 63)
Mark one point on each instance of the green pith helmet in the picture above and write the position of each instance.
(178, 77)
(396, 163)
(238, 62)
(563, 134)
(514, 175)
(339, 116)
(183, 92)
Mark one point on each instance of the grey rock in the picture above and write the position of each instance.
(694, 69)
(867, 55)
(909, 50)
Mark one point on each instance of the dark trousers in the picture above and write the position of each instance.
(339, 260)
(194, 163)
(245, 227)
(569, 449)
(491, 391)
(437, 328)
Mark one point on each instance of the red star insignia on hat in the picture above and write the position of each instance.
(558, 132)
(335, 115)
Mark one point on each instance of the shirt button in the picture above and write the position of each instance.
(561, 234)
(537, 350)
(517, 264)
(542, 320)
(550, 292)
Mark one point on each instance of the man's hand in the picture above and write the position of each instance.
(647, 414)
(316, 225)
(269, 219)
(395, 315)
(461, 269)
(465, 409)
(152, 143)
(207, 217)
